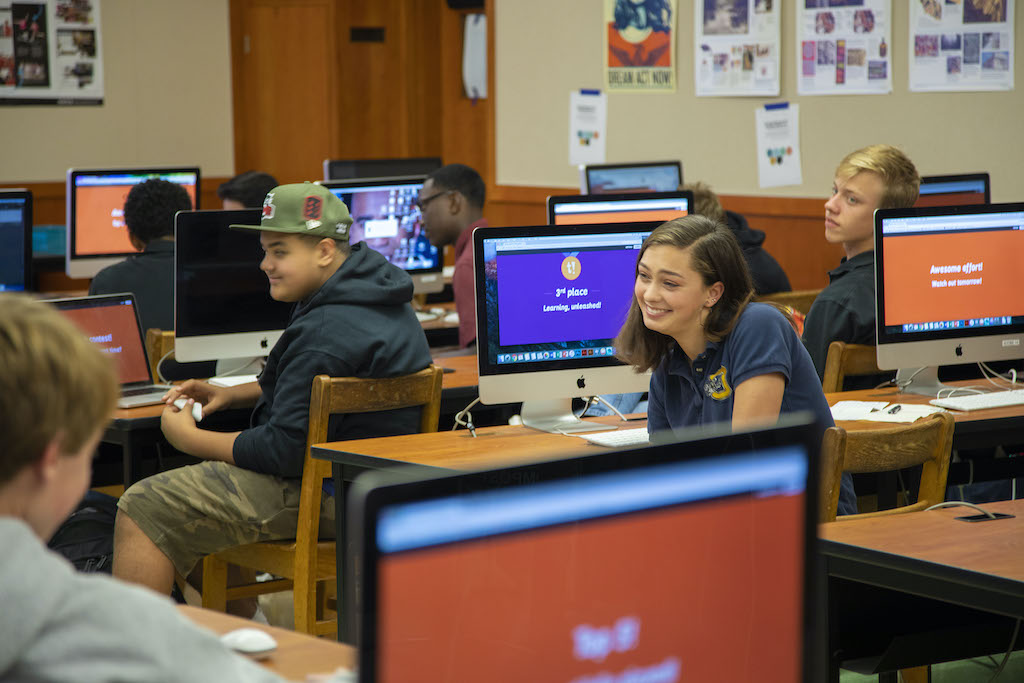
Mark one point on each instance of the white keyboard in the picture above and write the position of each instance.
(619, 438)
(993, 399)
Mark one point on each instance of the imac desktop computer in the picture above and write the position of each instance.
(550, 302)
(15, 240)
(640, 207)
(385, 216)
(96, 233)
(947, 289)
(683, 561)
(954, 190)
(652, 176)
(222, 305)
(351, 169)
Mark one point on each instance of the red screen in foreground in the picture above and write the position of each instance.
(952, 276)
(702, 592)
(114, 330)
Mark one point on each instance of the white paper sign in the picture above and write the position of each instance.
(966, 45)
(736, 47)
(778, 145)
(844, 47)
(474, 57)
(588, 117)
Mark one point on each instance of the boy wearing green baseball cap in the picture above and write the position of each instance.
(352, 318)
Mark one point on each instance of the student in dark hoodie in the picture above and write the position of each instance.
(768, 275)
(352, 319)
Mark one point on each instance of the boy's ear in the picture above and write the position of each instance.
(45, 467)
(325, 251)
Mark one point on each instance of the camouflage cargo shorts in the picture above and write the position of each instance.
(201, 509)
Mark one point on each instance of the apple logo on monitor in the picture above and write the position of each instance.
(581, 382)
(959, 349)
(263, 343)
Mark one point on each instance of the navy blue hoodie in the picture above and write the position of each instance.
(358, 324)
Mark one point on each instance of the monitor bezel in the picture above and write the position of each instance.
(636, 164)
(26, 196)
(88, 265)
(435, 162)
(938, 347)
(960, 177)
(208, 347)
(376, 490)
(554, 200)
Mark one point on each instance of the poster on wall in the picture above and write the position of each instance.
(50, 52)
(588, 123)
(640, 45)
(963, 45)
(778, 145)
(844, 47)
(736, 47)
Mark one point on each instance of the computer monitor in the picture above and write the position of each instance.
(350, 169)
(954, 190)
(947, 288)
(652, 176)
(222, 304)
(15, 240)
(386, 218)
(619, 208)
(96, 233)
(683, 561)
(550, 302)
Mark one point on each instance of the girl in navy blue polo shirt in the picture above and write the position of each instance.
(716, 356)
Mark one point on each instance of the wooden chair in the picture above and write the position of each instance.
(158, 344)
(799, 301)
(927, 442)
(847, 359)
(307, 564)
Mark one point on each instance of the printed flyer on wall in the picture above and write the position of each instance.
(640, 45)
(50, 52)
(962, 45)
(736, 47)
(844, 47)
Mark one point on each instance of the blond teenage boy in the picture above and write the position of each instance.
(352, 319)
(876, 177)
(57, 391)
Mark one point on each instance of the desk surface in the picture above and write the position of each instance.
(459, 450)
(932, 554)
(297, 654)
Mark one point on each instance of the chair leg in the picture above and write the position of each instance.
(919, 674)
(215, 583)
(304, 595)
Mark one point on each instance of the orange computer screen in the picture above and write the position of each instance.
(115, 330)
(950, 199)
(99, 218)
(703, 592)
(952, 276)
(638, 216)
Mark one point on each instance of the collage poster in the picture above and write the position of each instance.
(736, 47)
(50, 52)
(844, 47)
(961, 45)
(640, 45)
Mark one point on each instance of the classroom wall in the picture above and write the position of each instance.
(544, 50)
(167, 74)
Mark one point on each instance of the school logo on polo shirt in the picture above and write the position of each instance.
(717, 386)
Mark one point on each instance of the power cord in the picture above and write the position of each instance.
(958, 503)
(1009, 651)
(465, 418)
(590, 401)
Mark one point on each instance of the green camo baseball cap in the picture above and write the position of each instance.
(303, 209)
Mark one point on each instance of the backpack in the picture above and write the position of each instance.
(86, 538)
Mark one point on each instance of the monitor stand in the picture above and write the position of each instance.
(923, 381)
(556, 416)
(229, 367)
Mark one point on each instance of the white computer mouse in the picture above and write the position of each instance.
(250, 641)
(197, 408)
(451, 318)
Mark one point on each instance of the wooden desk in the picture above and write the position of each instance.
(435, 453)
(297, 654)
(920, 588)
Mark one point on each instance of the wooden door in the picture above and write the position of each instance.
(284, 66)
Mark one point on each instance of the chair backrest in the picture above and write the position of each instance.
(158, 344)
(927, 442)
(847, 359)
(341, 395)
(799, 300)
